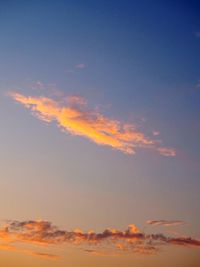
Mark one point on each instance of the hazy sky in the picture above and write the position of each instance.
(99, 139)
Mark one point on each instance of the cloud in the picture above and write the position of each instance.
(198, 84)
(30, 252)
(168, 152)
(107, 242)
(80, 66)
(165, 222)
(45, 255)
(99, 253)
(38, 85)
(76, 100)
(197, 34)
(73, 116)
(155, 133)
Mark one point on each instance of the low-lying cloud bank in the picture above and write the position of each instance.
(73, 116)
(108, 242)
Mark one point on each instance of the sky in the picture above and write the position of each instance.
(99, 137)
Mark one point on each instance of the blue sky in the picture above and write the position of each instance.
(136, 62)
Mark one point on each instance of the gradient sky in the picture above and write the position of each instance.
(100, 126)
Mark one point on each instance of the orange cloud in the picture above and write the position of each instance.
(72, 115)
(113, 241)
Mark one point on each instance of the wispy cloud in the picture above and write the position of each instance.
(73, 116)
(76, 100)
(168, 152)
(156, 133)
(113, 241)
(197, 34)
(198, 84)
(165, 222)
(12, 248)
(38, 85)
(47, 256)
(80, 66)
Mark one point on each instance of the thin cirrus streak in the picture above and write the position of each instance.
(108, 242)
(165, 222)
(8, 247)
(168, 152)
(73, 116)
(80, 66)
